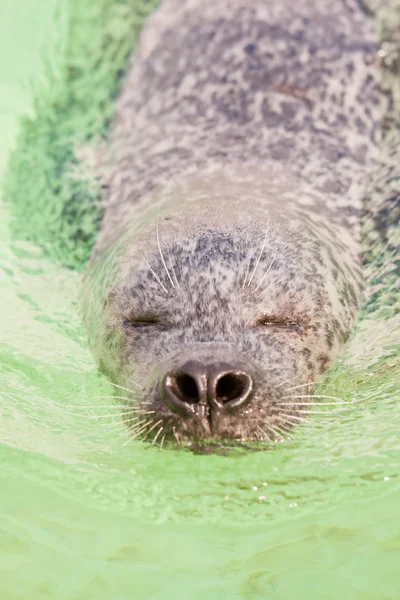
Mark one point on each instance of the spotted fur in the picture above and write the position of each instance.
(243, 139)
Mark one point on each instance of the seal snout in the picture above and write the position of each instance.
(197, 387)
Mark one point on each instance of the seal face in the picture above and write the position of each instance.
(231, 327)
(219, 322)
(222, 287)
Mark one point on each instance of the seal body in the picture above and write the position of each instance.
(227, 269)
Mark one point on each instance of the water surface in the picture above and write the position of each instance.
(87, 513)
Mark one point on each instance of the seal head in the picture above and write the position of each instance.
(212, 319)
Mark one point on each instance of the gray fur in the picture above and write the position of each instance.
(242, 143)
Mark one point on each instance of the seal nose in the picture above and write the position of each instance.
(219, 385)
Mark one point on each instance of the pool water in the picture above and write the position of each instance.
(87, 513)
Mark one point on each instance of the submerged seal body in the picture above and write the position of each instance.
(227, 269)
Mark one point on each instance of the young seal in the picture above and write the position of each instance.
(227, 269)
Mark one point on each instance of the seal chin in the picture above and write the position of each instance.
(225, 447)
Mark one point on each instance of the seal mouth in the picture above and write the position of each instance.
(208, 405)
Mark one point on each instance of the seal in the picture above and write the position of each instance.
(227, 276)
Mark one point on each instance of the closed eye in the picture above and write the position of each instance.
(142, 322)
(278, 321)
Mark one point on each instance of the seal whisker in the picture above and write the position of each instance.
(131, 407)
(281, 430)
(258, 260)
(141, 429)
(114, 426)
(317, 412)
(264, 433)
(110, 398)
(129, 440)
(119, 425)
(144, 412)
(155, 275)
(162, 258)
(157, 435)
(173, 273)
(131, 419)
(300, 419)
(176, 436)
(124, 388)
(136, 421)
(87, 406)
(246, 273)
(295, 387)
(264, 276)
(124, 435)
(131, 380)
(263, 291)
(123, 412)
(276, 433)
(279, 419)
(139, 421)
(132, 423)
(153, 427)
(286, 381)
(274, 429)
(285, 421)
(258, 437)
(137, 410)
(314, 403)
(314, 396)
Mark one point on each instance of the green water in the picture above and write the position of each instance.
(86, 513)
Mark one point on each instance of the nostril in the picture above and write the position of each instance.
(187, 388)
(232, 386)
